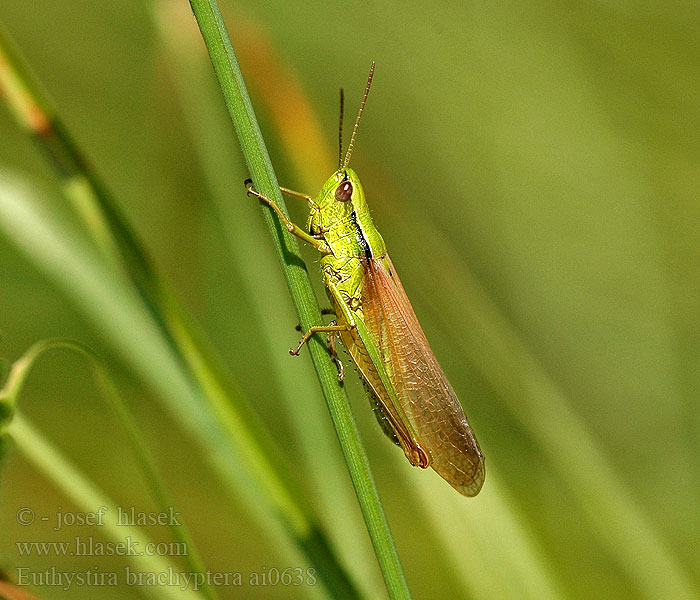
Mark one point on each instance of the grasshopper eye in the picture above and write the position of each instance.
(343, 192)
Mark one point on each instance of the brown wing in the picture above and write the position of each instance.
(427, 398)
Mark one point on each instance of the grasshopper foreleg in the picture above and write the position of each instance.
(294, 229)
(288, 192)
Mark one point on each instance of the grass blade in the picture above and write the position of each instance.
(12, 389)
(69, 479)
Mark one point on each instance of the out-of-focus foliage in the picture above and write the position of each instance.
(534, 171)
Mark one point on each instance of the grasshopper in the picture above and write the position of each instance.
(412, 399)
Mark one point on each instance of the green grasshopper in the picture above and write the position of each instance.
(413, 401)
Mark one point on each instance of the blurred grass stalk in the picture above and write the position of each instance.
(56, 467)
(77, 486)
(234, 442)
(241, 111)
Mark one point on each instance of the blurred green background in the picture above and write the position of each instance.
(534, 169)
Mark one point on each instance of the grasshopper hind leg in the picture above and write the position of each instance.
(334, 353)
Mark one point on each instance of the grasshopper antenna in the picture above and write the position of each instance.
(340, 132)
(359, 116)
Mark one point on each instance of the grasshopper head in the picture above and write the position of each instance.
(342, 192)
(342, 198)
